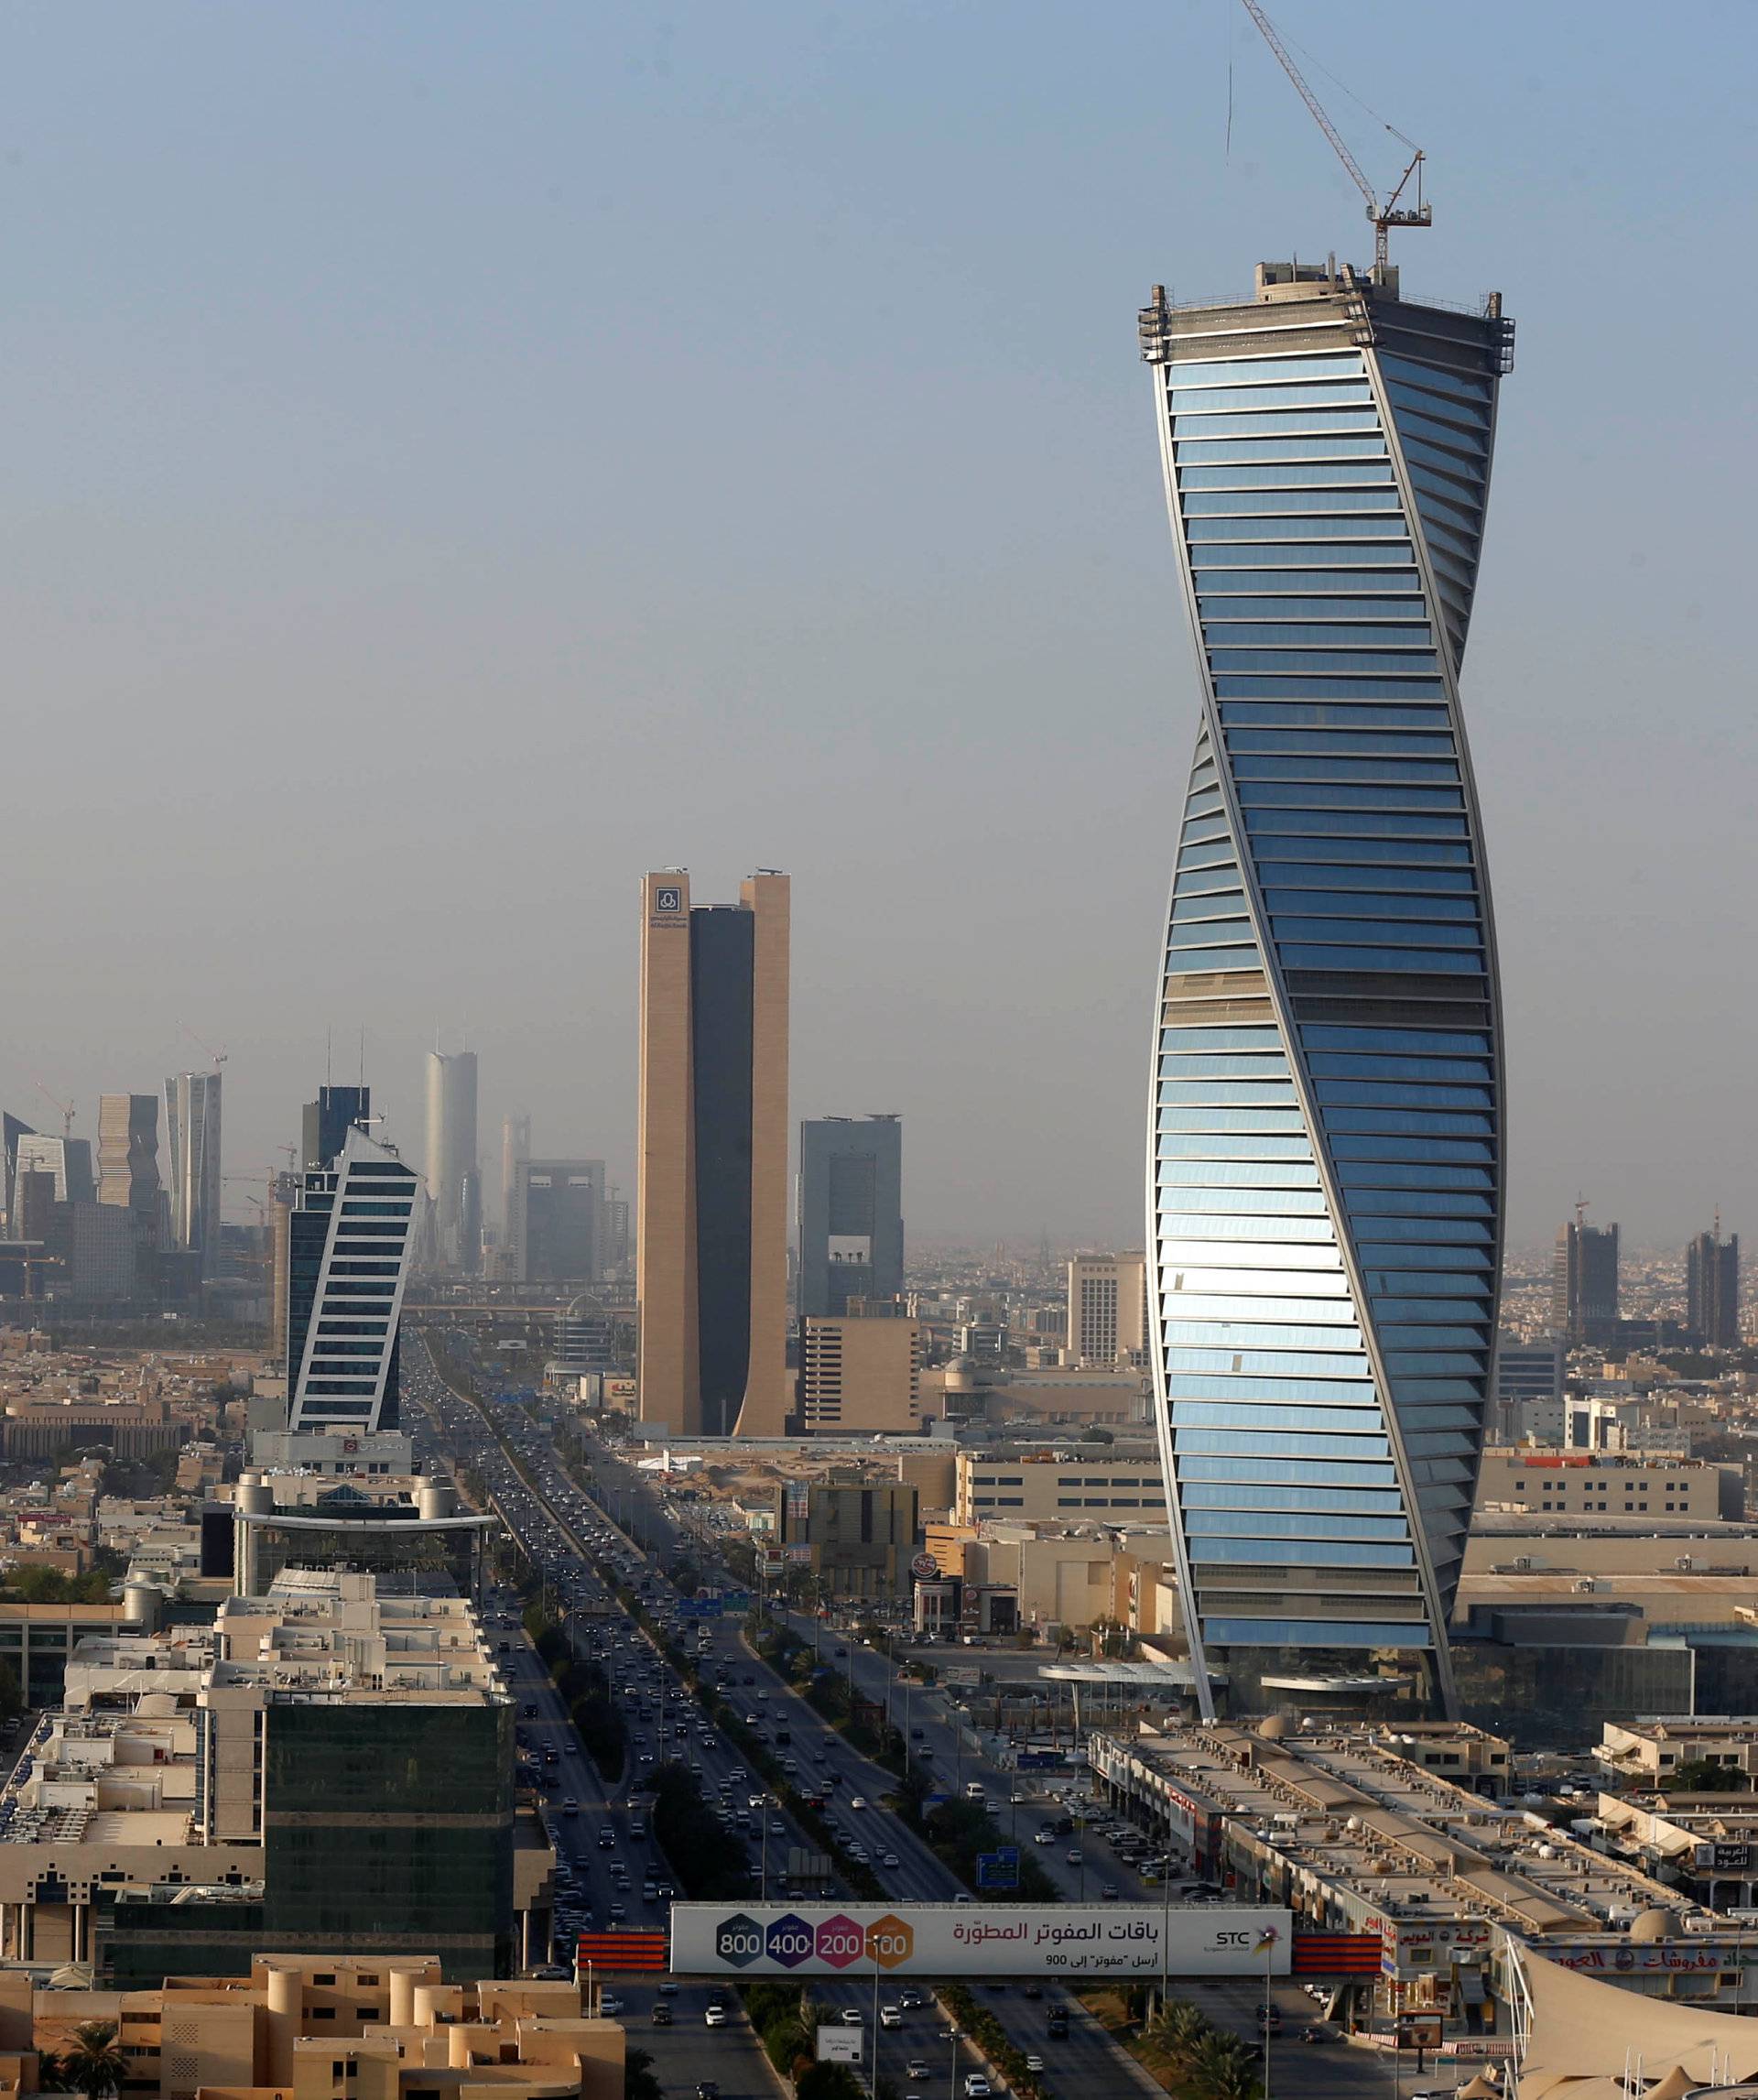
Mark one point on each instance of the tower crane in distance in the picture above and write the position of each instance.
(66, 1108)
(1385, 216)
(217, 1057)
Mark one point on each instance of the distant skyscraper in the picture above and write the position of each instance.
(555, 1221)
(350, 1230)
(516, 1146)
(1712, 1286)
(11, 1130)
(128, 1156)
(326, 1122)
(850, 1211)
(1325, 1171)
(192, 1125)
(1107, 1307)
(66, 1160)
(453, 1178)
(711, 1200)
(1584, 1282)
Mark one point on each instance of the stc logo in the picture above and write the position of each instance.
(838, 1941)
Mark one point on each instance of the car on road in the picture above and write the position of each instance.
(857, 1800)
(609, 2006)
(1319, 2034)
(669, 1989)
(714, 2015)
(1034, 2062)
(1043, 1837)
(850, 2016)
(976, 2086)
(660, 2016)
(915, 2069)
(708, 2090)
(890, 2016)
(889, 1859)
(910, 2000)
(1073, 1856)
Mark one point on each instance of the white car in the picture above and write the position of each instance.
(714, 2015)
(850, 2016)
(976, 2086)
(890, 2016)
(858, 1802)
(889, 1859)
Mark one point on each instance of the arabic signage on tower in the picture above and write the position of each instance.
(1000, 1939)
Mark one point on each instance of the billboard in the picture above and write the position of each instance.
(963, 1940)
(838, 2045)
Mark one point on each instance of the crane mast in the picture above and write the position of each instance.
(1385, 216)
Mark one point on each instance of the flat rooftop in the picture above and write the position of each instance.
(1345, 1805)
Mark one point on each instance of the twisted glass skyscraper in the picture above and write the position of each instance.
(1325, 1165)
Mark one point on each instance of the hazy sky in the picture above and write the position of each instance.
(460, 456)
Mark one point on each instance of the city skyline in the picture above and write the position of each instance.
(989, 604)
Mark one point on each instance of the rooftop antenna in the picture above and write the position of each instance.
(1385, 216)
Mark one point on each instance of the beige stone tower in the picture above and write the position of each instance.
(712, 1204)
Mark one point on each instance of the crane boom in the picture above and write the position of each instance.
(1385, 216)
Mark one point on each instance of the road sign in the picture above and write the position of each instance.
(999, 1869)
(1002, 1939)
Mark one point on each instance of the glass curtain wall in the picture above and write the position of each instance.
(1325, 1162)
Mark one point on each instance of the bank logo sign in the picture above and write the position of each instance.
(993, 1938)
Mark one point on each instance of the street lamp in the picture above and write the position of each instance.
(952, 2071)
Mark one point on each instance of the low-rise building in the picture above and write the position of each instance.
(1617, 1484)
(1369, 1832)
(1065, 1485)
(314, 2027)
(856, 1539)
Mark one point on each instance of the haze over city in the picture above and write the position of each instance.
(461, 459)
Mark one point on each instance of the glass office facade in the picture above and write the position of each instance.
(1325, 1160)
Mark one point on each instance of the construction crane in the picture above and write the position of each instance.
(66, 1108)
(1385, 216)
(216, 1057)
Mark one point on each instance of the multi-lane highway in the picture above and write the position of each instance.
(610, 1871)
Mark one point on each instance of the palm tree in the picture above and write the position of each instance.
(92, 2063)
(1180, 2029)
(1222, 2068)
(1236, 2081)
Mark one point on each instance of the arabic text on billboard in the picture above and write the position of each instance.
(1002, 1939)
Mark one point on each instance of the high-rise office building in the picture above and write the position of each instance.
(555, 1221)
(11, 1130)
(128, 1155)
(1712, 1288)
(1584, 1282)
(516, 1146)
(350, 1237)
(66, 1160)
(850, 1211)
(192, 1127)
(324, 1124)
(1325, 1169)
(454, 1182)
(1108, 1309)
(711, 1198)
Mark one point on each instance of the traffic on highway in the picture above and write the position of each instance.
(610, 1872)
